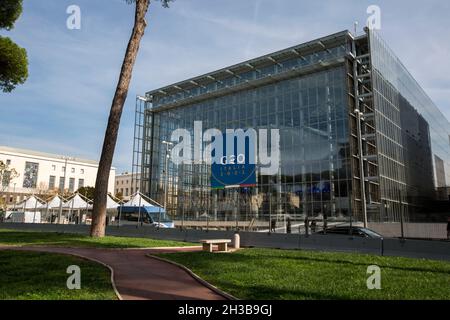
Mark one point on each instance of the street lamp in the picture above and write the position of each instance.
(166, 173)
(14, 197)
(61, 187)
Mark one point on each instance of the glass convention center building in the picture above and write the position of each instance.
(358, 136)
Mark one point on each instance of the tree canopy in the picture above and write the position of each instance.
(13, 65)
(7, 174)
(10, 11)
(13, 59)
(88, 192)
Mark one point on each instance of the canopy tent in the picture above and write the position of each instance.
(31, 202)
(55, 202)
(138, 200)
(76, 202)
(111, 203)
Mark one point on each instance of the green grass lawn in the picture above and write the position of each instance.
(22, 238)
(42, 276)
(287, 274)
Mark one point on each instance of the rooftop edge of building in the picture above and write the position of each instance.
(270, 58)
(28, 152)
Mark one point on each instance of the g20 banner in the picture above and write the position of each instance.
(236, 168)
(232, 175)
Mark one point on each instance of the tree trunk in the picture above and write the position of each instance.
(109, 143)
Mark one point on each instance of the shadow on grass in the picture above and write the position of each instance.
(79, 240)
(246, 257)
(259, 292)
(377, 260)
(20, 237)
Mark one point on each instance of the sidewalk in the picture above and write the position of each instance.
(139, 277)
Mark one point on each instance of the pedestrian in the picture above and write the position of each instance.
(306, 226)
(448, 228)
(325, 222)
(313, 226)
(288, 226)
(273, 225)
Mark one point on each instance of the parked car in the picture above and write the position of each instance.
(353, 231)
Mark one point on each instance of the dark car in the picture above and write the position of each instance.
(353, 231)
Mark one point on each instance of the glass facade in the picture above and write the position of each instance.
(303, 61)
(332, 163)
(314, 174)
(411, 133)
(392, 69)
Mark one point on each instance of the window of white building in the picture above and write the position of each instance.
(61, 183)
(52, 182)
(71, 184)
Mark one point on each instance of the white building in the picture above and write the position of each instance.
(127, 184)
(41, 173)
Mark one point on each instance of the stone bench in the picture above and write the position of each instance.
(221, 243)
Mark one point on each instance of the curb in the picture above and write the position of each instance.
(79, 256)
(196, 277)
(151, 248)
(97, 248)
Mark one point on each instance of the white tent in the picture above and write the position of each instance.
(29, 213)
(111, 203)
(31, 202)
(54, 203)
(138, 201)
(76, 203)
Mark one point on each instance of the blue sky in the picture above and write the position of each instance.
(64, 105)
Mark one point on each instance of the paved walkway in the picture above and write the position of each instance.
(139, 277)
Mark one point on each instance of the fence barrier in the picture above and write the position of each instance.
(439, 250)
